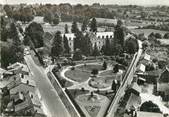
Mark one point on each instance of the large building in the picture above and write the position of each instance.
(97, 38)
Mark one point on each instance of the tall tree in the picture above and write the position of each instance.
(66, 45)
(107, 50)
(78, 40)
(74, 28)
(84, 25)
(57, 45)
(93, 25)
(131, 45)
(35, 32)
(119, 33)
(86, 45)
(14, 51)
(66, 28)
(95, 51)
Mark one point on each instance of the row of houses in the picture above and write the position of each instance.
(134, 95)
(19, 92)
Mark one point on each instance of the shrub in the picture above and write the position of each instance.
(95, 72)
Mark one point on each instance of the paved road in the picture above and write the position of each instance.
(50, 98)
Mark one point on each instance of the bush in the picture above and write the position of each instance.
(77, 55)
(162, 64)
(104, 65)
(95, 72)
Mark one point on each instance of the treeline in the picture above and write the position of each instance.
(24, 14)
(11, 45)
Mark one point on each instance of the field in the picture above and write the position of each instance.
(147, 31)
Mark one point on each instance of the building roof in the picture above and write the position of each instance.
(22, 88)
(18, 96)
(3, 71)
(34, 99)
(148, 114)
(70, 36)
(108, 34)
(133, 100)
(136, 87)
(145, 114)
(164, 78)
(18, 67)
(147, 57)
(141, 68)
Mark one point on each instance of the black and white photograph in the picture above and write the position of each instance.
(84, 58)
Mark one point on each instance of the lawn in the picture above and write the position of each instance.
(77, 92)
(106, 73)
(77, 75)
(89, 67)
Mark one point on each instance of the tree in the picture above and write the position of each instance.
(158, 35)
(116, 68)
(150, 107)
(55, 21)
(48, 17)
(78, 40)
(117, 49)
(66, 45)
(77, 55)
(131, 45)
(13, 52)
(119, 34)
(95, 51)
(66, 28)
(74, 28)
(35, 32)
(57, 45)
(8, 10)
(104, 66)
(107, 48)
(94, 72)
(93, 25)
(166, 36)
(84, 25)
(86, 45)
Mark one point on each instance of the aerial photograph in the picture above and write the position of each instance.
(84, 58)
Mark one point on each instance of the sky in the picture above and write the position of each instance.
(119, 2)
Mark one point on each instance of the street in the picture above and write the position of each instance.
(50, 98)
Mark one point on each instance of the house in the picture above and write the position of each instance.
(146, 58)
(135, 89)
(145, 114)
(163, 84)
(25, 104)
(134, 100)
(22, 88)
(18, 68)
(141, 69)
(3, 72)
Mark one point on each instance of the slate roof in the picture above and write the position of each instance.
(164, 78)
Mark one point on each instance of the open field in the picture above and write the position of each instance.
(147, 31)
